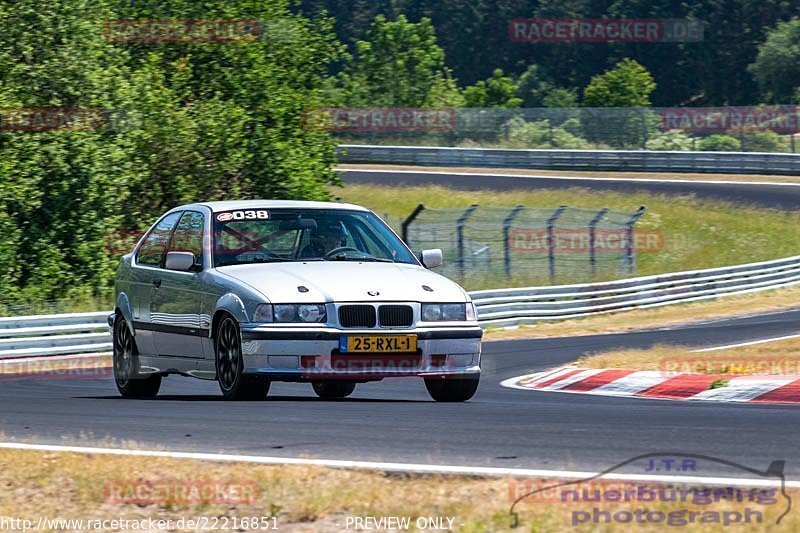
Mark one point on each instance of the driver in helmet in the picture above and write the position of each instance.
(328, 236)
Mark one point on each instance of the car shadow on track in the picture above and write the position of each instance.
(212, 398)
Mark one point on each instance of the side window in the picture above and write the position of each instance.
(188, 236)
(154, 246)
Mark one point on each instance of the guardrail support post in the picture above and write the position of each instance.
(592, 238)
(408, 221)
(629, 261)
(551, 245)
(460, 231)
(506, 245)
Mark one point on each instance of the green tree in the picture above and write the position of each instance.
(628, 84)
(400, 64)
(497, 91)
(777, 66)
(533, 86)
(182, 122)
(560, 97)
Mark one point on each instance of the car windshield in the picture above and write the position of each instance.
(283, 235)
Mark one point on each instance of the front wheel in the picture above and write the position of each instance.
(334, 389)
(130, 383)
(233, 382)
(452, 388)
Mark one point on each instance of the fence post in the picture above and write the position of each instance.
(506, 226)
(645, 132)
(629, 261)
(460, 231)
(551, 252)
(408, 221)
(592, 237)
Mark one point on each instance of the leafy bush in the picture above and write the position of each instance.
(764, 141)
(541, 134)
(719, 143)
(673, 140)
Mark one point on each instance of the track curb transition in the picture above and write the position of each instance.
(663, 385)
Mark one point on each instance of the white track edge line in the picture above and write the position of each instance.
(395, 467)
(750, 343)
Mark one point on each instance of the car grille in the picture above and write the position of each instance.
(357, 316)
(396, 315)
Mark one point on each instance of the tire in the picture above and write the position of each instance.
(333, 389)
(452, 389)
(233, 382)
(130, 383)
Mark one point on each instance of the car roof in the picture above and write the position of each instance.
(232, 205)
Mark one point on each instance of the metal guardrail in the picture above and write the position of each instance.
(507, 307)
(603, 160)
(87, 333)
(46, 335)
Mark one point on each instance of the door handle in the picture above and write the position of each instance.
(157, 283)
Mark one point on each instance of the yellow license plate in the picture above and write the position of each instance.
(379, 344)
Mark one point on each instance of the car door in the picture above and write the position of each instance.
(145, 269)
(177, 297)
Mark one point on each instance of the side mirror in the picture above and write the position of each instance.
(431, 258)
(180, 261)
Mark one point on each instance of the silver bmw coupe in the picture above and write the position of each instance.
(251, 292)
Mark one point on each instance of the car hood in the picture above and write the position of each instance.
(340, 281)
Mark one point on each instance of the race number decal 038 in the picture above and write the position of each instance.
(254, 214)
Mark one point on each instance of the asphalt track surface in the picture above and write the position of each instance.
(395, 421)
(785, 197)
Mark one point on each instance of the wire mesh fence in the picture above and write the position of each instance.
(747, 129)
(482, 242)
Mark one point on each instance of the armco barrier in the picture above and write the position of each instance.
(44, 335)
(606, 160)
(85, 333)
(507, 307)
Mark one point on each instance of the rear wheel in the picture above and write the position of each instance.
(334, 389)
(233, 382)
(130, 383)
(452, 388)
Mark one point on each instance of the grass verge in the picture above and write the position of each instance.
(779, 358)
(95, 487)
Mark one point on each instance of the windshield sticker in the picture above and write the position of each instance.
(256, 214)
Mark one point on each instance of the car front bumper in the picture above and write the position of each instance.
(304, 354)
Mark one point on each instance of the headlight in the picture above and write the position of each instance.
(263, 313)
(300, 313)
(444, 312)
